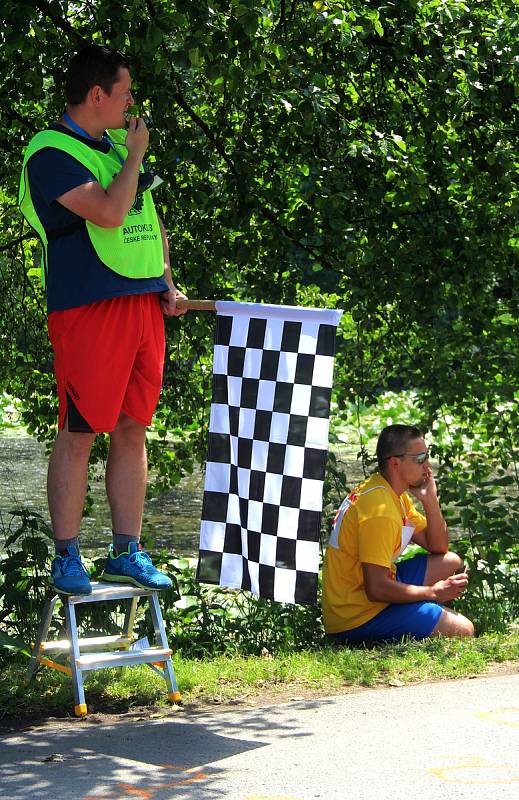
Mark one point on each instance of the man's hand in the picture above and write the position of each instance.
(427, 490)
(137, 138)
(168, 302)
(450, 588)
(434, 538)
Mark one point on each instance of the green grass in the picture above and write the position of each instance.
(236, 679)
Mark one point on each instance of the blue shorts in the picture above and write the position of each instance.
(416, 620)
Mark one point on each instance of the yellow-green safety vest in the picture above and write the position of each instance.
(133, 249)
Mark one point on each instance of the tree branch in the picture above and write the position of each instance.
(15, 242)
(200, 123)
(61, 23)
(292, 10)
(282, 19)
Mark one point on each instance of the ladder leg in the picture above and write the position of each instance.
(129, 617)
(161, 639)
(174, 695)
(80, 708)
(158, 622)
(41, 636)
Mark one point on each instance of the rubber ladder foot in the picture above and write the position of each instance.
(174, 697)
(80, 710)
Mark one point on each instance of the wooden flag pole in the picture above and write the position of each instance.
(196, 305)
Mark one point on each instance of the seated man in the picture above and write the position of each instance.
(366, 596)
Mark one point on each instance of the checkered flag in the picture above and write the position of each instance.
(268, 443)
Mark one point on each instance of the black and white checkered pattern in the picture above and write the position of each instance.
(268, 442)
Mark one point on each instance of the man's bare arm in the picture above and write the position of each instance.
(435, 537)
(168, 300)
(108, 207)
(381, 588)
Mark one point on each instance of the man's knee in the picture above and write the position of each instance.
(453, 562)
(452, 624)
(442, 566)
(128, 430)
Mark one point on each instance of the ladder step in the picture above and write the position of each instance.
(109, 591)
(124, 658)
(63, 645)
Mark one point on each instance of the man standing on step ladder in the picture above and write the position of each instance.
(86, 191)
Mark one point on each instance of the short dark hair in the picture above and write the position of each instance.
(394, 440)
(93, 65)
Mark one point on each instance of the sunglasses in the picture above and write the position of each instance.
(418, 458)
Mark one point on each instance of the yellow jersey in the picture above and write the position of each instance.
(372, 526)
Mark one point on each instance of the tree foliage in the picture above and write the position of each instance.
(354, 154)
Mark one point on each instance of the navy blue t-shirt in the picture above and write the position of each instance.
(76, 276)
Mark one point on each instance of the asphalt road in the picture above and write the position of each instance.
(457, 739)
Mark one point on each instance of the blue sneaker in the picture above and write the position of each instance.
(134, 566)
(68, 574)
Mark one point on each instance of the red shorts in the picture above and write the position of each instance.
(108, 360)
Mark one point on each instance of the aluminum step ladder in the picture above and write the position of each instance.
(98, 652)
